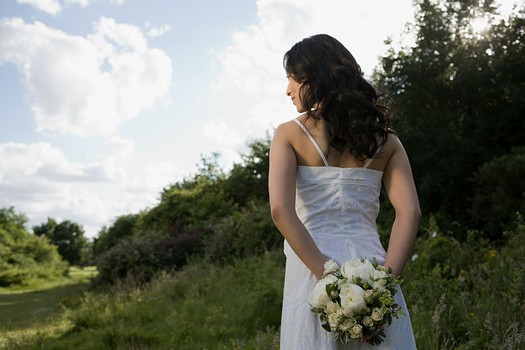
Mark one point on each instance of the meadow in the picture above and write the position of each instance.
(460, 295)
(26, 313)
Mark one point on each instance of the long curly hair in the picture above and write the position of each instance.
(333, 80)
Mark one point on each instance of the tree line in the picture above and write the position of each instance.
(459, 100)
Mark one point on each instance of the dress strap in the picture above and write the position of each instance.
(374, 157)
(313, 141)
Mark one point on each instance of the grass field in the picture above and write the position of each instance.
(203, 306)
(471, 298)
(24, 313)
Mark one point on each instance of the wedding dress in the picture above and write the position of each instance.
(339, 207)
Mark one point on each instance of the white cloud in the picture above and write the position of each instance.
(82, 3)
(53, 7)
(45, 162)
(251, 77)
(50, 6)
(42, 182)
(225, 140)
(158, 31)
(218, 131)
(86, 86)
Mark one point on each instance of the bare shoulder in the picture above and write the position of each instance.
(391, 146)
(286, 131)
(390, 149)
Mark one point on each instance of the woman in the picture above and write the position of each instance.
(326, 169)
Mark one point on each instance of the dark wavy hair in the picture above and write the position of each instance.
(332, 78)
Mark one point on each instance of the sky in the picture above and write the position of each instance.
(103, 103)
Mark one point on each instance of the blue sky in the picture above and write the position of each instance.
(105, 102)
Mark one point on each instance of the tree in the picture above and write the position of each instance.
(68, 237)
(501, 193)
(248, 180)
(25, 258)
(460, 97)
(124, 226)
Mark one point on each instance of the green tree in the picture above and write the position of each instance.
(124, 226)
(189, 204)
(25, 258)
(68, 236)
(248, 180)
(501, 184)
(224, 208)
(459, 95)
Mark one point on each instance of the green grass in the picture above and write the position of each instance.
(38, 309)
(203, 306)
(462, 296)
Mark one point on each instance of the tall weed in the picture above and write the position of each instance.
(468, 295)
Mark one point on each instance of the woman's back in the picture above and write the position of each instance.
(307, 154)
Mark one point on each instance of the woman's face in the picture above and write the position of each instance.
(293, 90)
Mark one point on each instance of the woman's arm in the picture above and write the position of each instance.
(401, 190)
(281, 184)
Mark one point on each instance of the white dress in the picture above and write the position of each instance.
(339, 207)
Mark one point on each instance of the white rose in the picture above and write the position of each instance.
(379, 285)
(334, 320)
(380, 274)
(356, 268)
(368, 294)
(330, 266)
(368, 321)
(356, 331)
(318, 297)
(347, 324)
(331, 307)
(377, 314)
(352, 298)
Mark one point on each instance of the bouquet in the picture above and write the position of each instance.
(356, 301)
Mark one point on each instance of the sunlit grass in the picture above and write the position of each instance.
(36, 333)
(75, 275)
(35, 310)
(203, 306)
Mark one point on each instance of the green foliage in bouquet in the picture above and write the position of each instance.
(356, 301)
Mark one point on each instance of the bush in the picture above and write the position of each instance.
(467, 295)
(123, 226)
(130, 259)
(24, 258)
(499, 193)
(247, 232)
(172, 252)
(138, 259)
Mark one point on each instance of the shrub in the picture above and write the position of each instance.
(172, 252)
(467, 295)
(499, 193)
(25, 258)
(130, 259)
(247, 232)
(123, 226)
(138, 259)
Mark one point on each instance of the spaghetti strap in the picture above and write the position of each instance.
(313, 141)
(374, 157)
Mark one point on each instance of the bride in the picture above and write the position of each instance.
(327, 167)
